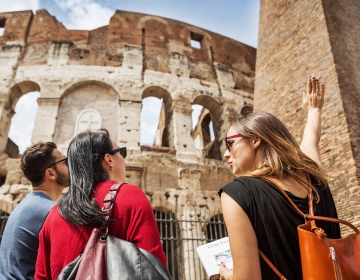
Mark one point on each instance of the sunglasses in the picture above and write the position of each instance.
(230, 144)
(61, 160)
(121, 150)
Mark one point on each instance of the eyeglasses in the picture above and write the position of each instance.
(121, 150)
(230, 144)
(61, 160)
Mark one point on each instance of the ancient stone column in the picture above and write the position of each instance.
(6, 113)
(45, 119)
(181, 124)
(129, 125)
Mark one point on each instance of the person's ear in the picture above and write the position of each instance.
(107, 160)
(256, 141)
(50, 174)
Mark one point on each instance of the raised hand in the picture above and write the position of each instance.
(314, 97)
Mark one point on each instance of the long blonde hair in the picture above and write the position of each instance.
(279, 150)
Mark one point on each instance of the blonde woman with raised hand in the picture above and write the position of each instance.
(256, 213)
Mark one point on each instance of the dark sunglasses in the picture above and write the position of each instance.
(61, 160)
(121, 150)
(230, 144)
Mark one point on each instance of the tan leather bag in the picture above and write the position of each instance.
(322, 257)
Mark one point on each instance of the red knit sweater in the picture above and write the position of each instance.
(61, 242)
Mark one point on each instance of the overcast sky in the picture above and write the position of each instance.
(237, 19)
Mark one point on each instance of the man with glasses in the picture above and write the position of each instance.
(46, 169)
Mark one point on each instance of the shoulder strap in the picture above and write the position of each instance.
(311, 215)
(311, 208)
(282, 277)
(108, 204)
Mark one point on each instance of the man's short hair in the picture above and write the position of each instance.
(35, 160)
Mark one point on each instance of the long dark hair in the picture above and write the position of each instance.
(278, 149)
(85, 155)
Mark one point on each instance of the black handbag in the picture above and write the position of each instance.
(108, 257)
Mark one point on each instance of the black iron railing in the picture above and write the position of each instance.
(180, 238)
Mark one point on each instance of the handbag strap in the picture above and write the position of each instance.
(107, 208)
(282, 277)
(311, 215)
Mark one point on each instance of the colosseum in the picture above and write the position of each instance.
(99, 78)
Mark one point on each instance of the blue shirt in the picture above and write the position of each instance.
(20, 242)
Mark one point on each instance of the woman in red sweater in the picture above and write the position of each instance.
(95, 164)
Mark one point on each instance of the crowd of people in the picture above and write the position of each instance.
(41, 236)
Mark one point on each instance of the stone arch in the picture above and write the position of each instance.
(163, 21)
(212, 112)
(82, 96)
(78, 84)
(162, 133)
(8, 105)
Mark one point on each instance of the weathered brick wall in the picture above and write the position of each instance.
(16, 27)
(158, 36)
(299, 39)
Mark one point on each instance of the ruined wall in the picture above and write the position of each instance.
(99, 78)
(318, 38)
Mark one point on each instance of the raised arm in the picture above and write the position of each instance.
(313, 99)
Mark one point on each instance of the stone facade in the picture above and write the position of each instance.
(98, 78)
(318, 38)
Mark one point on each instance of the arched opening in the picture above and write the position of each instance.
(170, 237)
(23, 121)
(150, 119)
(203, 131)
(155, 117)
(205, 116)
(24, 117)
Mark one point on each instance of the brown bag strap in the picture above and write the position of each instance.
(311, 208)
(282, 277)
(311, 215)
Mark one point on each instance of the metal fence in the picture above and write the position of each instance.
(180, 238)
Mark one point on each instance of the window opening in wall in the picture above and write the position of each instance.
(23, 121)
(149, 120)
(2, 26)
(195, 40)
(196, 111)
(206, 144)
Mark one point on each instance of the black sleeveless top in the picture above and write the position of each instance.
(275, 222)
